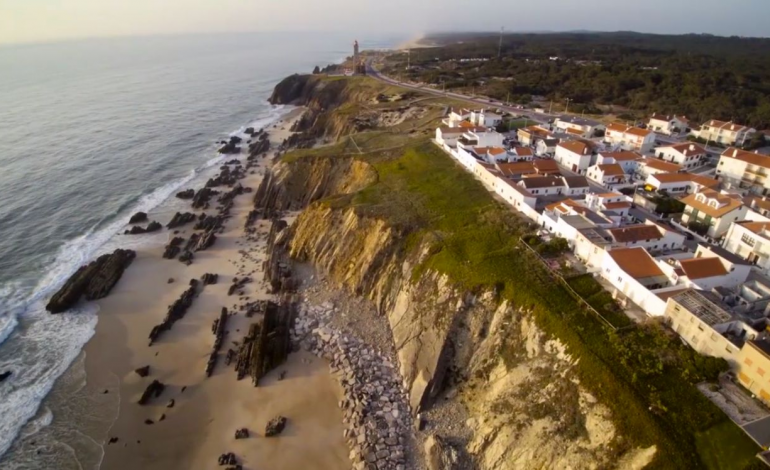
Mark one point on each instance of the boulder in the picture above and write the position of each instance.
(440, 455)
(138, 218)
(180, 219)
(153, 227)
(153, 390)
(242, 433)
(92, 281)
(275, 426)
(143, 371)
(4, 376)
(186, 194)
(227, 459)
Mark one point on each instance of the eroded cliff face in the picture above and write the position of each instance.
(527, 408)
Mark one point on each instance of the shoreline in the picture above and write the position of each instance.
(206, 411)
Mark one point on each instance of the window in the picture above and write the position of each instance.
(760, 371)
(748, 361)
(748, 239)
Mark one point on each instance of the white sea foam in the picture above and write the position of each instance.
(38, 347)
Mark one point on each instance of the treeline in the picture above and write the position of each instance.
(700, 76)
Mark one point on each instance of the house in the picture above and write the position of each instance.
(686, 155)
(491, 154)
(704, 322)
(679, 183)
(607, 175)
(519, 154)
(528, 135)
(653, 166)
(726, 133)
(649, 235)
(744, 170)
(760, 205)
(546, 167)
(486, 118)
(708, 270)
(713, 209)
(578, 126)
(514, 194)
(448, 136)
(629, 161)
(456, 117)
(614, 203)
(545, 146)
(575, 155)
(551, 219)
(590, 247)
(575, 185)
(487, 173)
(480, 137)
(750, 241)
(668, 125)
(543, 185)
(633, 273)
(629, 137)
(525, 169)
(753, 369)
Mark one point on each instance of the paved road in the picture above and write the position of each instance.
(537, 117)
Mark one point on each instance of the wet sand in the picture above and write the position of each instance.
(202, 423)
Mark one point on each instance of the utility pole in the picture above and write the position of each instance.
(408, 58)
(550, 107)
(500, 45)
(566, 110)
(508, 99)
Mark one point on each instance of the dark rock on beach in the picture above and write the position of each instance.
(175, 311)
(4, 376)
(143, 371)
(137, 218)
(186, 194)
(153, 390)
(92, 281)
(180, 219)
(275, 426)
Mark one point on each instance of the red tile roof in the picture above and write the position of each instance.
(701, 268)
(636, 262)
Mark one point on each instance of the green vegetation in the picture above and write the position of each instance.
(667, 205)
(644, 375)
(700, 76)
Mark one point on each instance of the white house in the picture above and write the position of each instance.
(687, 155)
(448, 135)
(575, 185)
(634, 273)
(528, 135)
(653, 166)
(744, 170)
(629, 137)
(707, 269)
(607, 175)
(616, 203)
(545, 146)
(579, 126)
(480, 137)
(456, 117)
(679, 183)
(629, 161)
(750, 241)
(514, 194)
(486, 118)
(649, 235)
(543, 185)
(713, 209)
(575, 155)
(519, 154)
(668, 125)
(726, 133)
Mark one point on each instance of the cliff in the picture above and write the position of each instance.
(474, 317)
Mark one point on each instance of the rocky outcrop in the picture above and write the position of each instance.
(277, 266)
(218, 328)
(267, 344)
(151, 227)
(440, 455)
(92, 281)
(173, 248)
(186, 194)
(209, 278)
(143, 371)
(294, 185)
(138, 218)
(202, 197)
(180, 219)
(154, 390)
(175, 311)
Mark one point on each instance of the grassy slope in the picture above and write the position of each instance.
(643, 376)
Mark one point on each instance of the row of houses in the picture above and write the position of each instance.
(645, 263)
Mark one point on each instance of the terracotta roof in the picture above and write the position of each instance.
(608, 195)
(562, 206)
(522, 151)
(686, 148)
(635, 233)
(466, 124)
(617, 205)
(535, 130)
(755, 201)
(700, 268)
(671, 293)
(572, 130)
(536, 182)
(611, 169)
(686, 177)
(576, 181)
(705, 181)
(623, 156)
(729, 125)
(618, 127)
(636, 262)
(546, 166)
(755, 227)
(728, 204)
(518, 168)
(752, 158)
(575, 146)
(496, 150)
(661, 165)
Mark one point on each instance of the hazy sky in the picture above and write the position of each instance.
(45, 20)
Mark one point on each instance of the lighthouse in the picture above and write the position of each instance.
(355, 51)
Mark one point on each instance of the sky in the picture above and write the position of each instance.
(30, 21)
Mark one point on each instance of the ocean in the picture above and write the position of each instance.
(90, 132)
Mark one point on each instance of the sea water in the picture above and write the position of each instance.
(90, 132)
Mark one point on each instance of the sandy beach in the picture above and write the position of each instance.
(206, 412)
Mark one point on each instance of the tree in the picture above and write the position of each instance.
(316, 70)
